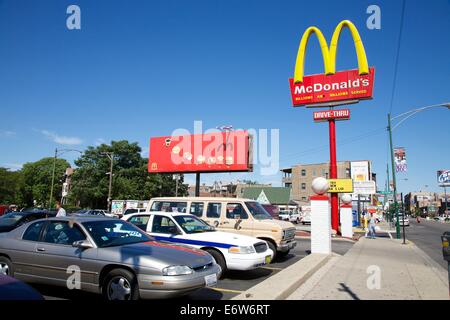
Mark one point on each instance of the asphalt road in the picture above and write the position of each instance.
(233, 284)
(427, 236)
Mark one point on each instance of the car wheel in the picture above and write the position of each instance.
(273, 247)
(120, 284)
(6, 267)
(220, 260)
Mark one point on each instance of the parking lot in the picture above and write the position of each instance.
(233, 284)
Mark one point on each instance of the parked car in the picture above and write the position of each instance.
(116, 258)
(305, 217)
(95, 212)
(12, 289)
(231, 251)
(403, 220)
(235, 215)
(289, 216)
(13, 220)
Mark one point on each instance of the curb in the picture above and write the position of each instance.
(332, 239)
(283, 284)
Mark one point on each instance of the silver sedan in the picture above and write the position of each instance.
(106, 256)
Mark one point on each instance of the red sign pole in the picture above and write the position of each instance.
(333, 175)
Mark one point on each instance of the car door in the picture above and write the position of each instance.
(25, 257)
(56, 255)
(236, 219)
(140, 221)
(163, 228)
(213, 214)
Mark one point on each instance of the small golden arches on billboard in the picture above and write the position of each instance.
(329, 54)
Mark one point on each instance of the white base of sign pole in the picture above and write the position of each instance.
(346, 221)
(320, 224)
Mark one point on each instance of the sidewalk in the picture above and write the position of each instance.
(406, 272)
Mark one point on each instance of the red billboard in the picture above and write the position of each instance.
(341, 86)
(212, 152)
(341, 114)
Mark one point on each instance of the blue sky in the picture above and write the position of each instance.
(138, 69)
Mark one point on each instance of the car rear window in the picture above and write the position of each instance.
(34, 231)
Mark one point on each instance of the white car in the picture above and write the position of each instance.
(305, 218)
(231, 251)
(289, 216)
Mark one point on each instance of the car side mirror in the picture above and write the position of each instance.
(82, 244)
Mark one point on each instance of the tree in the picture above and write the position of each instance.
(11, 187)
(131, 180)
(37, 177)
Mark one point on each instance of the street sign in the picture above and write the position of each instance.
(342, 114)
(364, 187)
(340, 185)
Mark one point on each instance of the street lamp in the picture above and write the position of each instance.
(60, 152)
(404, 116)
(110, 156)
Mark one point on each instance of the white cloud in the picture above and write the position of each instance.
(7, 134)
(12, 166)
(61, 139)
(99, 141)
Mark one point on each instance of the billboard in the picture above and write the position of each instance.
(340, 185)
(211, 152)
(400, 160)
(364, 187)
(443, 177)
(344, 86)
(360, 170)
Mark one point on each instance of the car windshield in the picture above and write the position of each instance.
(10, 219)
(192, 224)
(257, 210)
(111, 233)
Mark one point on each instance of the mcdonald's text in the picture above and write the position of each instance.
(341, 86)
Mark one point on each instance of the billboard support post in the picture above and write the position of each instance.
(333, 175)
(197, 184)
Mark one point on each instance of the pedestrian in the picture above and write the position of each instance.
(61, 211)
(372, 227)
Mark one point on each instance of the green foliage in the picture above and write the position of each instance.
(11, 187)
(131, 180)
(37, 177)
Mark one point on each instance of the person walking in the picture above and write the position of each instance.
(372, 227)
(61, 211)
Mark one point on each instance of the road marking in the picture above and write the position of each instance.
(272, 268)
(226, 290)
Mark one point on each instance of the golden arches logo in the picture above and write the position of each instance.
(329, 54)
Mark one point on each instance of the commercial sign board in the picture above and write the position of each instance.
(340, 185)
(343, 114)
(360, 170)
(212, 152)
(443, 177)
(364, 187)
(340, 87)
(400, 159)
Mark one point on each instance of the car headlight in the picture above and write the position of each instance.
(177, 271)
(242, 250)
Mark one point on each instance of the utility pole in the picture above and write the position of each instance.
(53, 180)
(110, 156)
(397, 222)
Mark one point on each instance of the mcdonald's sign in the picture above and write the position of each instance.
(332, 87)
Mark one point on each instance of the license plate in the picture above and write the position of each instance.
(211, 280)
(268, 259)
